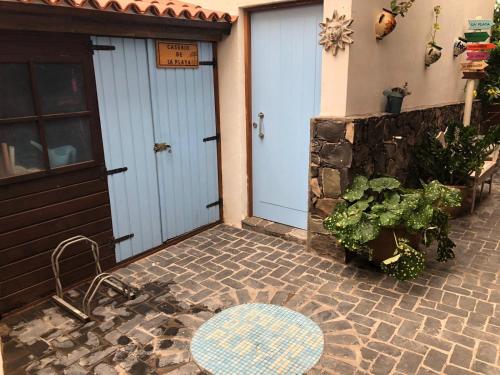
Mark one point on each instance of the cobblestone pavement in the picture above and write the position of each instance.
(447, 321)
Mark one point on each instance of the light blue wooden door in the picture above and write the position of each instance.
(124, 96)
(286, 70)
(183, 105)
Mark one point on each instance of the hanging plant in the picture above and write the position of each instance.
(433, 52)
(386, 20)
(402, 7)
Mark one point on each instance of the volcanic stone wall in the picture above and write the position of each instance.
(377, 145)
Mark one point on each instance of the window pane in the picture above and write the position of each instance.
(60, 88)
(20, 150)
(68, 141)
(15, 91)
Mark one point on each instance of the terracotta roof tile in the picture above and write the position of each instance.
(161, 8)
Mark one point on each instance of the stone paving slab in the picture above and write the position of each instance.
(271, 228)
(445, 322)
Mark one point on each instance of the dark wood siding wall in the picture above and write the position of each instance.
(37, 214)
(35, 217)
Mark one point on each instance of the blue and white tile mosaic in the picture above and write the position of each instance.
(257, 339)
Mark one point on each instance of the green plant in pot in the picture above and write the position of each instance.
(453, 157)
(388, 222)
(395, 97)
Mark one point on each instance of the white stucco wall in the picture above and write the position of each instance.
(399, 57)
(352, 82)
(231, 56)
(231, 62)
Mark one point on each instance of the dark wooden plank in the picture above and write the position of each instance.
(32, 263)
(40, 215)
(47, 183)
(217, 129)
(47, 243)
(282, 5)
(69, 15)
(112, 24)
(15, 42)
(47, 287)
(40, 275)
(46, 198)
(247, 25)
(46, 228)
(38, 211)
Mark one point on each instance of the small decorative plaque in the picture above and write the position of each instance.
(176, 54)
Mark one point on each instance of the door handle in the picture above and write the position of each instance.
(158, 147)
(261, 125)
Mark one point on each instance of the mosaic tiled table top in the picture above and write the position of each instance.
(257, 339)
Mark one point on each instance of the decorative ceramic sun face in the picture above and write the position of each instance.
(335, 33)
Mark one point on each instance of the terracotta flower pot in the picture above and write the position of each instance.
(384, 245)
(385, 23)
(432, 54)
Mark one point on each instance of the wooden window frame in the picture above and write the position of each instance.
(31, 55)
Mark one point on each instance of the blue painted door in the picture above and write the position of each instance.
(286, 70)
(183, 105)
(161, 195)
(126, 116)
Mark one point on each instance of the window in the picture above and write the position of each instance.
(45, 121)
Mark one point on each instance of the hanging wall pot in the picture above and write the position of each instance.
(386, 20)
(459, 47)
(432, 54)
(385, 23)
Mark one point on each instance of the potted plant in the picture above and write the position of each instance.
(433, 52)
(387, 222)
(386, 20)
(395, 98)
(453, 157)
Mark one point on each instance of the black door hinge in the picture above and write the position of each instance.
(116, 170)
(210, 63)
(123, 238)
(100, 47)
(212, 138)
(217, 203)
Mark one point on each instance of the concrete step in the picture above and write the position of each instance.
(271, 228)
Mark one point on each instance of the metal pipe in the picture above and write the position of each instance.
(469, 99)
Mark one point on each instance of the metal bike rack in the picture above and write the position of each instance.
(100, 278)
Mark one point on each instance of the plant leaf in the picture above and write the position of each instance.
(357, 189)
(420, 218)
(384, 183)
(392, 260)
(389, 219)
(365, 231)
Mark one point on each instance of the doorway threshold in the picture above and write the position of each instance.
(271, 228)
